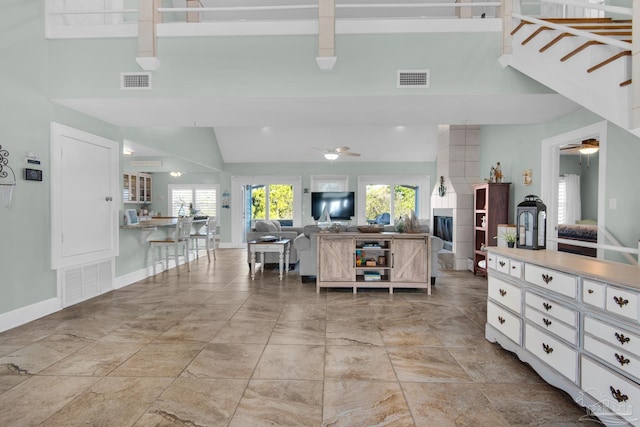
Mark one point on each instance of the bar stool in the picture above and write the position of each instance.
(209, 237)
(179, 241)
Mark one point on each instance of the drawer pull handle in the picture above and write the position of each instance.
(503, 292)
(547, 348)
(622, 338)
(621, 359)
(547, 322)
(621, 301)
(547, 306)
(501, 320)
(513, 267)
(618, 395)
(502, 263)
(547, 279)
(590, 291)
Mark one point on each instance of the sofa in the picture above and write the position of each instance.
(306, 248)
(273, 228)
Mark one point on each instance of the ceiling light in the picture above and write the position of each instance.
(175, 174)
(588, 150)
(127, 152)
(330, 156)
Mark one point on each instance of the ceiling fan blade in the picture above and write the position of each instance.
(348, 153)
(342, 149)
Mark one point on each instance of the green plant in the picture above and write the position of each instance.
(508, 236)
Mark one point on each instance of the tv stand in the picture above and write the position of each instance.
(373, 260)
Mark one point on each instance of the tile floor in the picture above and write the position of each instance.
(213, 348)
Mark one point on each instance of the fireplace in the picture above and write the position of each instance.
(443, 228)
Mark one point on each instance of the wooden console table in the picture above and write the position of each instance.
(373, 260)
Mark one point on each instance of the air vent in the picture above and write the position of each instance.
(135, 81)
(413, 79)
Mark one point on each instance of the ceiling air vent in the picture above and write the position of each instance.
(413, 79)
(135, 81)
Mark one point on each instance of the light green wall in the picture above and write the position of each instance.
(519, 148)
(25, 254)
(464, 63)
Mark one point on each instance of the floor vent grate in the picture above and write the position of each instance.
(413, 79)
(135, 81)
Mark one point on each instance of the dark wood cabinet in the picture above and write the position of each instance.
(491, 207)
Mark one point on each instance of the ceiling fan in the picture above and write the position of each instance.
(587, 146)
(334, 153)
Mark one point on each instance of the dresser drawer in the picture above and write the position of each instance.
(506, 294)
(552, 308)
(614, 335)
(613, 356)
(502, 264)
(593, 293)
(622, 302)
(616, 393)
(491, 260)
(515, 268)
(553, 280)
(504, 321)
(552, 325)
(554, 353)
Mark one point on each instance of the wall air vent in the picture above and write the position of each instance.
(413, 79)
(135, 81)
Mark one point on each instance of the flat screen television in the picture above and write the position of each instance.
(341, 204)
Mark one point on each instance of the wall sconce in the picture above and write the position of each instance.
(441, 188)
(175, 174)
(7, 182)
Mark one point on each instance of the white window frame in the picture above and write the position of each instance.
(423, 182)
(193, 187)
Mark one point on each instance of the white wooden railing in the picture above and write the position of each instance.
(107, 18)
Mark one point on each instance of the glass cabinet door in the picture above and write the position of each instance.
(125, 188)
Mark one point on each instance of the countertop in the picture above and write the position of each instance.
(608, 271)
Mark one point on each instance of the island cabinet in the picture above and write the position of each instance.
(575, 320)
(373, 260)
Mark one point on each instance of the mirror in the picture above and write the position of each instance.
(560, 155)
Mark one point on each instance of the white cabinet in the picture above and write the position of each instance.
(136, 188)
(373, 260)
(578, 326)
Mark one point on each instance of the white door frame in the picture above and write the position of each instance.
(550, 173)
(237, 201)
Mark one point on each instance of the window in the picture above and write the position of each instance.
(201, 198)
(272, 201)
(384, 199)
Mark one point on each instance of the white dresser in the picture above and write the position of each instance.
(575, 320)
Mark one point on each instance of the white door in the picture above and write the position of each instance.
(85, 200)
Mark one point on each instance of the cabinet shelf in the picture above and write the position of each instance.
(401, 260)
(491, 202)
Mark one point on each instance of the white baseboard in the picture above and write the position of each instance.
(29, 313)
(40, 309)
